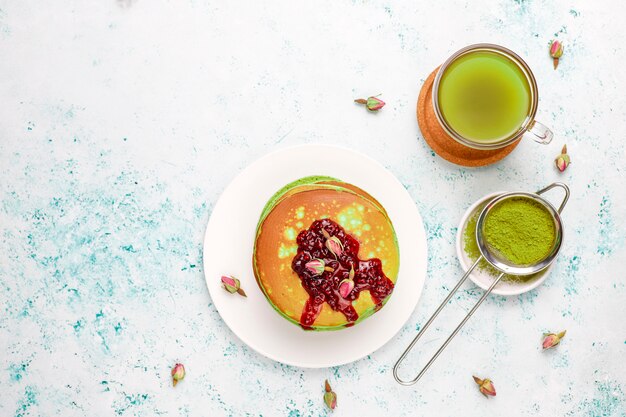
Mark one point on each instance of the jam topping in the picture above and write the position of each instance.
(324, 287)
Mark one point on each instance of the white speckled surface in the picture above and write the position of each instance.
(122, 121)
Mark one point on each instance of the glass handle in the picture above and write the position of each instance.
(540, 133)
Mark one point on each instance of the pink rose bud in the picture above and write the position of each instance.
(563, 160)
(556, 52)
(372, 103)
(556, 49)
(550, 340)
(232, 285)
(178, 373)
(333, 244)
(485, 386)
(330, 398)
(345, 287)
(316, 266)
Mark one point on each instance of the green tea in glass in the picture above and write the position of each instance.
(485, 97)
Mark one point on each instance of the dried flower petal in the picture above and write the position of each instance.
(315, 266)
(551, 340)
(232, 285)
(556, 49)
(556, 52)
(485, 386)
(563, 160)
(330, 398)
(345, 287)
(178, 373)
(372, 103)
(334, 245)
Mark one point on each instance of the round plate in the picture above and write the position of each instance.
(484, 279)
(229, 241)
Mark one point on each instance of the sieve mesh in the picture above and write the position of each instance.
(497, 258)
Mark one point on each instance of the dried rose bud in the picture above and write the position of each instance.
(330, 398)
(178, 373)
(563, 160)
(317, 266)
(372, 103)
(485, 386)
(333, 244)
(345, 287)
(556, 52)
(233, 285)
(550, 340)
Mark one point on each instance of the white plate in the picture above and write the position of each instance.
(229, 241)
(484, 279)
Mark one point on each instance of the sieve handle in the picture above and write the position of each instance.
(432, 318)
(561, 185)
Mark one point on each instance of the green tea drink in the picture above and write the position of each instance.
(484, 96)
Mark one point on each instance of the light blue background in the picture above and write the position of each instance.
(122, 121)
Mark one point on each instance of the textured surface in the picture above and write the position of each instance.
(122, 121)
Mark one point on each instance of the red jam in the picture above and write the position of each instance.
(322, 288)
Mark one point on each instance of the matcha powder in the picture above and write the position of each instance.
(520, 230)
(471, 246)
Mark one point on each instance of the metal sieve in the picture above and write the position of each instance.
(498, 262)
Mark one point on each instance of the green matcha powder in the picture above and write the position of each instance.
(519, 229)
